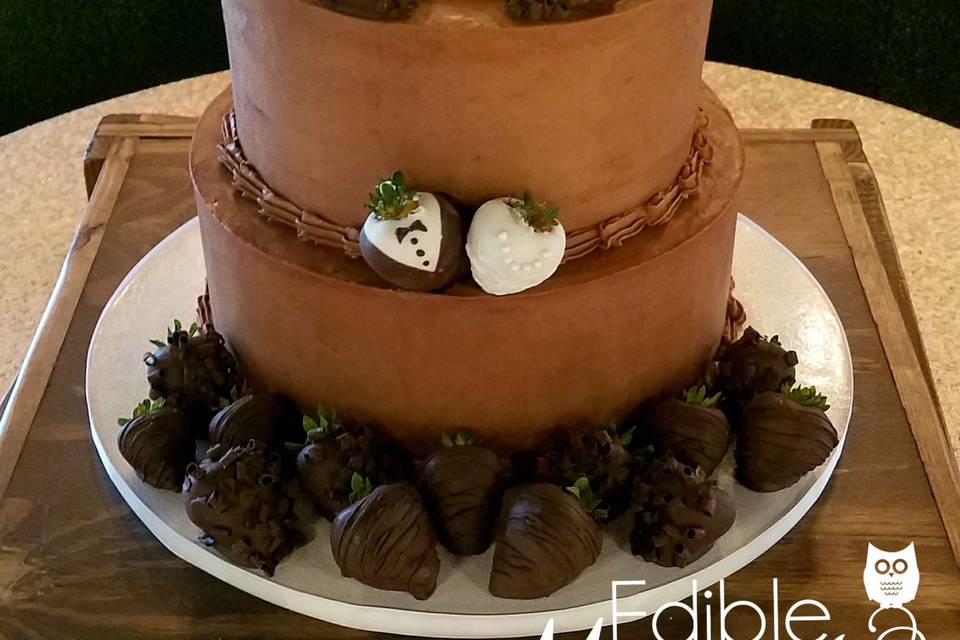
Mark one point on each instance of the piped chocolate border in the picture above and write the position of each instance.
(610, 233)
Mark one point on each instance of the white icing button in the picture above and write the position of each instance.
(507, 260)
(537, 264)
(514, 267)
(505, 248)
(503, 235)
(545, 253)
(527, 266)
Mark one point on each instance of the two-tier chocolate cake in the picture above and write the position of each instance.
(469, 287)
(601, 114)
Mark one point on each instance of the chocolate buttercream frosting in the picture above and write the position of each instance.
(240, 502)
(697, 435)
(545, 541)
(158, 445)
(781, 441)
(463, 489)
(269, 418)
(680, 513)
(386, 541)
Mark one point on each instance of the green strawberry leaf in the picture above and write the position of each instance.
(536, 214)
(806, 397)
(698, 396)
(391, 200)
(360, 487)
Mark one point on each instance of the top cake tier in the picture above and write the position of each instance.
(594, 116)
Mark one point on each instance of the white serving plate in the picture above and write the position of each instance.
(780, 296)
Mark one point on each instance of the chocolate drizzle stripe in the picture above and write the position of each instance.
(613, 232)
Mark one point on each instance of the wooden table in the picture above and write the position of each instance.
(76, 562)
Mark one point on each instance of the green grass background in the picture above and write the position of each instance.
(56, 55)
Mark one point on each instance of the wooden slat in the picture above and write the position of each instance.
(148, 130)
(32, 379)
(779, 136)
(920, 405)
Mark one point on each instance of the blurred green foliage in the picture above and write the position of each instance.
(56, 55)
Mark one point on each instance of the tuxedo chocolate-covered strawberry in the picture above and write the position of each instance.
(784, 436)
(463, 487)
(385, 539)
(514, 244)
(158, 442)
(412, 239)
(545, 540)
(692, 428)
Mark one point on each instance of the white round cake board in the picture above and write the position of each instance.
(780, 296)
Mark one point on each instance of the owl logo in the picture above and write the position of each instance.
(892, 579)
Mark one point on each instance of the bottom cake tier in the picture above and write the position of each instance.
(604, 334)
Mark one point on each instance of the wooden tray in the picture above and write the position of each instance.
(76, 562)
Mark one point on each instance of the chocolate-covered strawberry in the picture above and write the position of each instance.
(692, 428)
(753, 364)
(680, 513)
(335, 451)
(240, 502)
(545, 540)
(158, 442)
(514, 244)
(269, 418)
(385, 539)
(463, 485)
(598, 453)
(412, 239)
(194, 371)
(784, 436)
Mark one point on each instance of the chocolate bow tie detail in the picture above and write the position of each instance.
(403, 231)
